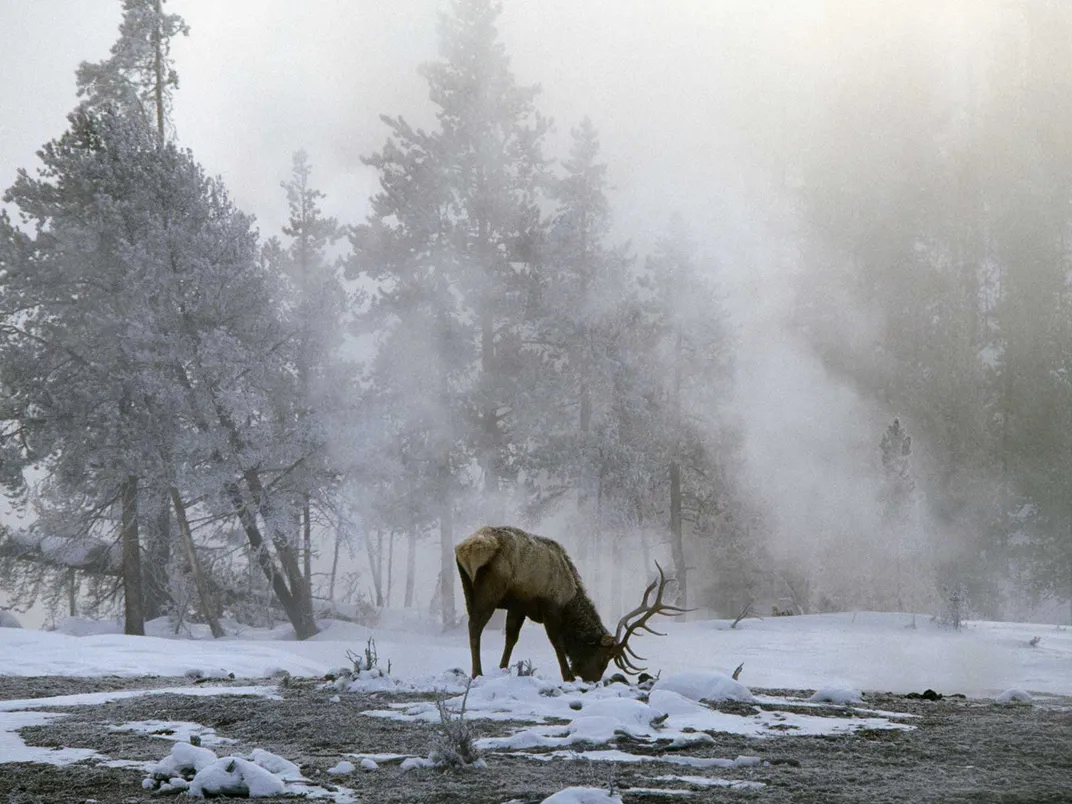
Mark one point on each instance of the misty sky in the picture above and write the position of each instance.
(663, 82)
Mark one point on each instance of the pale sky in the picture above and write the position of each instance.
(671, 86)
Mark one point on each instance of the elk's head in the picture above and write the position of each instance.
(617, 648)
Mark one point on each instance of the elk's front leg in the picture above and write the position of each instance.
(554, 634)
(514, 620)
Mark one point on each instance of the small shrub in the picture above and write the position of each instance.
(454, 744)
(524, 668)
(369, 661)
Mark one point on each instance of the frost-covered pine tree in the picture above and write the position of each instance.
(488, 155)
(692, 361)
(139, 76)
(314, 305)
(450, 246)
(583, 287)
(144, 349)
(76, 341)
(898, 485)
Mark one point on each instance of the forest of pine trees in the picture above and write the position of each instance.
(204, 423)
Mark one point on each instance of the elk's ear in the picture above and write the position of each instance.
(607, 641)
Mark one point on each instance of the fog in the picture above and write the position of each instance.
(819, 153)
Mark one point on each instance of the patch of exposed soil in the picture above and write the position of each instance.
(960, 751)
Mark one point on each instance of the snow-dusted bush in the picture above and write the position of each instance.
(454, 744)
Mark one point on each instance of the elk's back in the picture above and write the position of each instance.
(534, 567)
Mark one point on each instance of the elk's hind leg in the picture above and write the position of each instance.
(480, 601)
(477, 621)
(514, 620)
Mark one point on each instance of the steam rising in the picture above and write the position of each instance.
(808, 147)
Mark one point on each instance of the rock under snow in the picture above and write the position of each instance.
(234, 776)
(184, 760)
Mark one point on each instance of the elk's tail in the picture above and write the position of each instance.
(476, 551)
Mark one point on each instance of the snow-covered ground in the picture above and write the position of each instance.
(866, 650)
(839, 655)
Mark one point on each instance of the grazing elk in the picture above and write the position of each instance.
(531, 576)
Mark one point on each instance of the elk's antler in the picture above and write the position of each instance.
(646, 611)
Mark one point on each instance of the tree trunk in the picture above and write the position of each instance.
(334, 563)
(447, 562)
(616, 574)
(72, 592)
(133, 610)
(390, 565)
(300, 616)
(489, 419)
(158, 69)
(677, 544)
(158, 555)
(208, 611)
(307, 540)
(411, 567)
(375, 560)
(300, 590)
(677, 540)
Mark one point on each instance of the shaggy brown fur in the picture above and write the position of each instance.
(532, 576)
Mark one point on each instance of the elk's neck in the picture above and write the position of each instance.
(581, 626)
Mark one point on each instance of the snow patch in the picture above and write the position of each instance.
(699, 685)
(1014, 695)
(176, 730)
(843, 696)
(583, 795)
(200, 773)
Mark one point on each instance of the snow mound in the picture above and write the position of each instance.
(83, 626)
(1011, 695)
(582, 795)
(837, 695)
(234, 776)
(374, 680)
(184, 762)
(206, 673)
(698, 685)
(200, 773)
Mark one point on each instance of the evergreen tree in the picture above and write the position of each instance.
(582, 287)
(144, 350)
(487, 154)
(450, 245)
(139, 77)
(896, 448)
(315, 310)
(692, 369)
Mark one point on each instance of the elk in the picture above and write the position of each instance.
(532, 576)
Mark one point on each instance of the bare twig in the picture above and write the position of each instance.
(744, 613)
